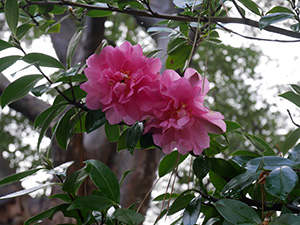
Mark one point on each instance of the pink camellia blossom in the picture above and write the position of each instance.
(180, 119)
(122, 82)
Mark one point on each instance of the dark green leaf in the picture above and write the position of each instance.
(124, 175)
(222, 167)
(133, 4)
(178, 57)
(98, 13)
(7, 61)
(41, 118)
(201, 166)
(76, 91)
(273, 18)
(245, 153)
(215, 148)
(168, 163)
(294, 154)
(290, 141)
(286, 219)
(269, 163)
(5, 45)
(17, 176)
(133, 135)
(260, 144)
(61, 196)
(281, 181)
(180, 202)
(42, 60)
(122, 141)
(92, 203)
(73, 182)
(128, 216)
(231, 126)
(112, 131)
(292, 97)
(105, 180)
(72, 46)
(240, 182)
(19, 89)
(46, 214)
(146, 141)
(280, 9)
(39, 90)
(94, 119)
(23, 29)
(296, 88)
(252, 6)
(64, 129)
(165, 196)
(218, 182)
(11, 11)
(237, 212)
(192, 211)
(25, 191)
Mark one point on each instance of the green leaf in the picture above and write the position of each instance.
(75, 90)
(17, 176)
(25, 191)
(281, 181)
(192, 211)
(124, 175)
(146, 141)
(72, 46)
(260, 144)
(7, 61)
(286, 219)
(280, 9)
(240, 182)
(112, 132)
(201, 166)
(121, 145)
(165, 196)
(292, 97)
(222, 167)
(42, 60)
(61, 196)
(273, 18)
(186, 3)
(11, 11)
(231, 126)
(5, 45)
(218, 181)
(128, 216)
(178, 57)
(23, 29)
(133, 4)
(269, 163)
(237, 212)
(98, 13)
(19, 89)
(92, 203)
(46, 214)
(252, 6)
(296, 88)
(245, 153)
(133, 135)
(296, 27)
(181, 202)
(64, 129)
(41, 118)
(73, 182)
(294, 154)
(168, 163)
(94, 119)
(105, 180)
(291, 141)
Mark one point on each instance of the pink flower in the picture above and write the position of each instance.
(122, 82)
(180, 119)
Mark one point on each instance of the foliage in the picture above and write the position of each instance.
(255, 181)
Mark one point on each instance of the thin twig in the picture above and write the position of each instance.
(297, 125)
(238, 9)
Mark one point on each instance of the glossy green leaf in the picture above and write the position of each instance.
(105, 180)
(181, 202)
(292, 97)
(7, 61)
(178, 57)
(223, 168)
(237, 212)
(296, 88)
(165, 196)
(42, 60)
(11, 11)
(260, 144)
(25, 191)
(291, 141)
(46, 214)
(17, 176)
(217, 181)
(286, 219)
(5, 45)
(133, 135)
(201, 166)
(121, 145)
(41, 118)
(72, 46)
(146, 141)
(231, 126)
(245, 153)
(94, 119)
(280, 9)
(168, 163)
(19, 89)
(128, 216)
(92, 203)
(273, 18)
(252, 6)
(215, 148)
(62, 196)
(98, 13)
(23, 30)
(192, 212)
(73, 182)
(186, 3)
(112, 132)
(240, 182)
(64, 129)
(294, 154)
(76, 91)
(281, 181)
(269, 163)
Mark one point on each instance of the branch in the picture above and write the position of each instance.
(226, 20)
